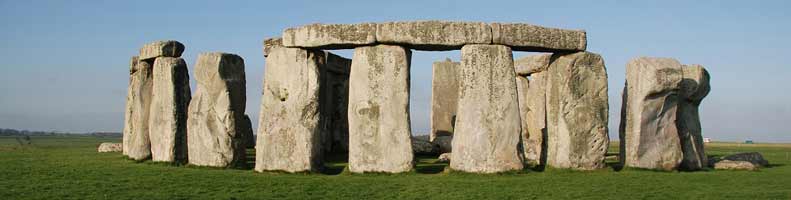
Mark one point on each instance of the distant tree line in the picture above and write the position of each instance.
(14, 132)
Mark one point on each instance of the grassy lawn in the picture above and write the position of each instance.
(68, 167)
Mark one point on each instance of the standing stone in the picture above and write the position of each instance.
(444, 98)
(532, 105)
(216, 112)
(577, 111)
(486, 137)
(289, 128)
(434, 35)
(379, 129)
(648, 132)
(247, 132)
(168, 116)
(136, 143)
(167, 48)
(694, 87)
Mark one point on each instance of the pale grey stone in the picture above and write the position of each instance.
(330, 36)
(136, 143)
(216, 112)
(577, 111)
(167, 122)
(106, 147)
(527, 37)
(752, 157)
(433, 35)
(445, 143)
(694, 87)
(648, 133)
(735, 165)
(532, 109)
(443, 158)
(165, 48)
(269, 43)
(532, 64)
(444, 98)
(486, 137)
(379, 129)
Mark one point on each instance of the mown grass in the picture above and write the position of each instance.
(68, 167)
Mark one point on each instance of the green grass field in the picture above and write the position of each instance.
(68, 167)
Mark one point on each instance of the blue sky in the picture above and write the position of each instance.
(63, 64)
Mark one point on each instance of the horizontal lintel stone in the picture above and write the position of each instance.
(330, 36)
(527, 37)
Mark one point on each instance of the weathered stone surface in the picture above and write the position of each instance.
(433, 35)
(289, 130)
(216, 112)
(136, 143)
(527, 37)
(444, 98)
(330, 36)
(694, 87)
(735, 165)
(247, 132)
(106, 147)
(532, 64)
(443, 158)
(421, 145)
(270, 43)
(577, 111)
(532, 110)
(488, 123)
(648, 134)
(752, 157)
(165, 48)
(445, 143)
(167, 122)
(379, 129)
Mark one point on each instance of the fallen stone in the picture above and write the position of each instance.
(270, 43)
(167, 122)
(488, 115)
(527, 37)
(433, 35)
(330, 36)
(424, 147)
(106, 147)
(166, 48)
(289, 135)
(136, 143)
(648, 133)
(379, 129)
(752, 157)
(216, 112)
(443, 158)
(532, 64)
(445, 143)
(444, 98)
(577, 111)
(735, 165)
(694, 87)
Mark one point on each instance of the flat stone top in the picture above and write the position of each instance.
(435, 36)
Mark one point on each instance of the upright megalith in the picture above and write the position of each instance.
(168, 115)
(532, 104)
(216, 112)
(577, 111)
(298, 105)
(444, 98)
(379, 129)
(648, 133)
(694, 87)
(488, 124)
(136, 143)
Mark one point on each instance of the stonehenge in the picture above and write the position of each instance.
(660, 126)
(215, 130)
(490, 113)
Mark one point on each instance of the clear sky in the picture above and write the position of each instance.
(64, 64)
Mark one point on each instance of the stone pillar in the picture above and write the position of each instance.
(444, 99)
(577, 111)
(648, 132)
(694, 87)
(379, 129)
(289, 129)
(487, 130)
(532, 105)
(168, 116)
(136, 143)
(216, 112)
(334, 94)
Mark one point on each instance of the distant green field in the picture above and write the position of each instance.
(68, 167)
